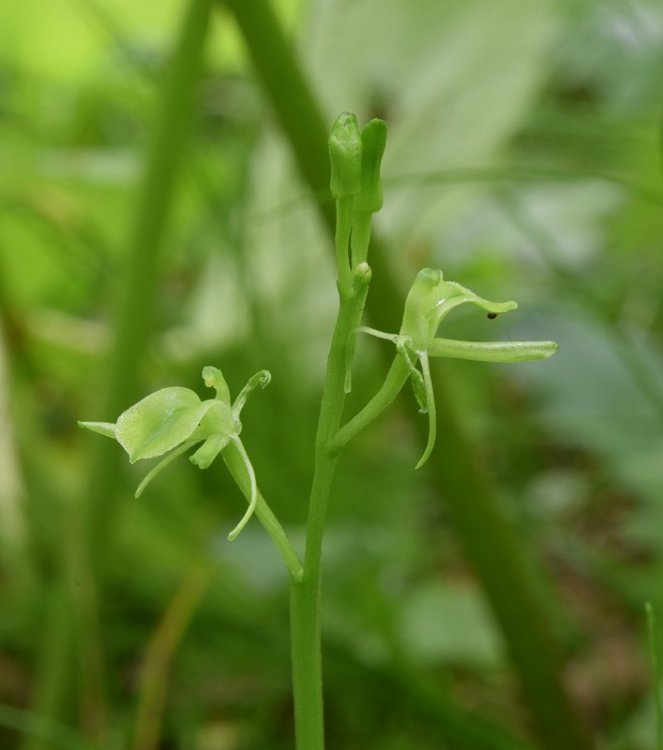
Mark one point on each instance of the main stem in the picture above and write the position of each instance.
(305, 596)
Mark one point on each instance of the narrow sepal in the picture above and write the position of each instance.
(103, 428)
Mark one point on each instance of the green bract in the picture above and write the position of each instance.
(172, 420)
(429, 300)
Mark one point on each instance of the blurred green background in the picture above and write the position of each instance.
(153, 220)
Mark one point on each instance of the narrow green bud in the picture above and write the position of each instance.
(345, 145)
(373, 141)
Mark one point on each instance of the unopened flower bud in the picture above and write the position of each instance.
(373, 140)
(345, 147)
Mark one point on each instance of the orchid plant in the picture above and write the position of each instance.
(173, 420)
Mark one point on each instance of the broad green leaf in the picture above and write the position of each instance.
(160, 422)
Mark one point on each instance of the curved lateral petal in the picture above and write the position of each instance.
(261, 379)
(253, 497)
(432, 415)
(446, 305)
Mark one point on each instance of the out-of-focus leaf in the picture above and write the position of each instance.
(445, 622)
(593, 400)
(452, 80)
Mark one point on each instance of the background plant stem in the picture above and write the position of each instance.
(160, 652)
(491, 545)
(92, 531)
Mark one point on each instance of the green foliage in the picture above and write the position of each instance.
(523, 160)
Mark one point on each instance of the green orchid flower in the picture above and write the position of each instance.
(172, 420)
(428, 302)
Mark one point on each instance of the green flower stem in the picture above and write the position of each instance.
(399, 372)
(397, 376)
(361, 236)
(235, 463)
(508, 577)
(305, 598)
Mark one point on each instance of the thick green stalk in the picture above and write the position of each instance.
(305, 597)
(396, 378)
(131, 333)
(361, 234)
(491, 545)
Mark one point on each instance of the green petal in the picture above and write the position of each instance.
(430, 298)
(213, 378)
(452, 294)
(209, 450)
(160, 422)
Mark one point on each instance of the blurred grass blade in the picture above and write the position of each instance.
(56, 736)
(160, 653)
(656, 672)
(90, 538)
